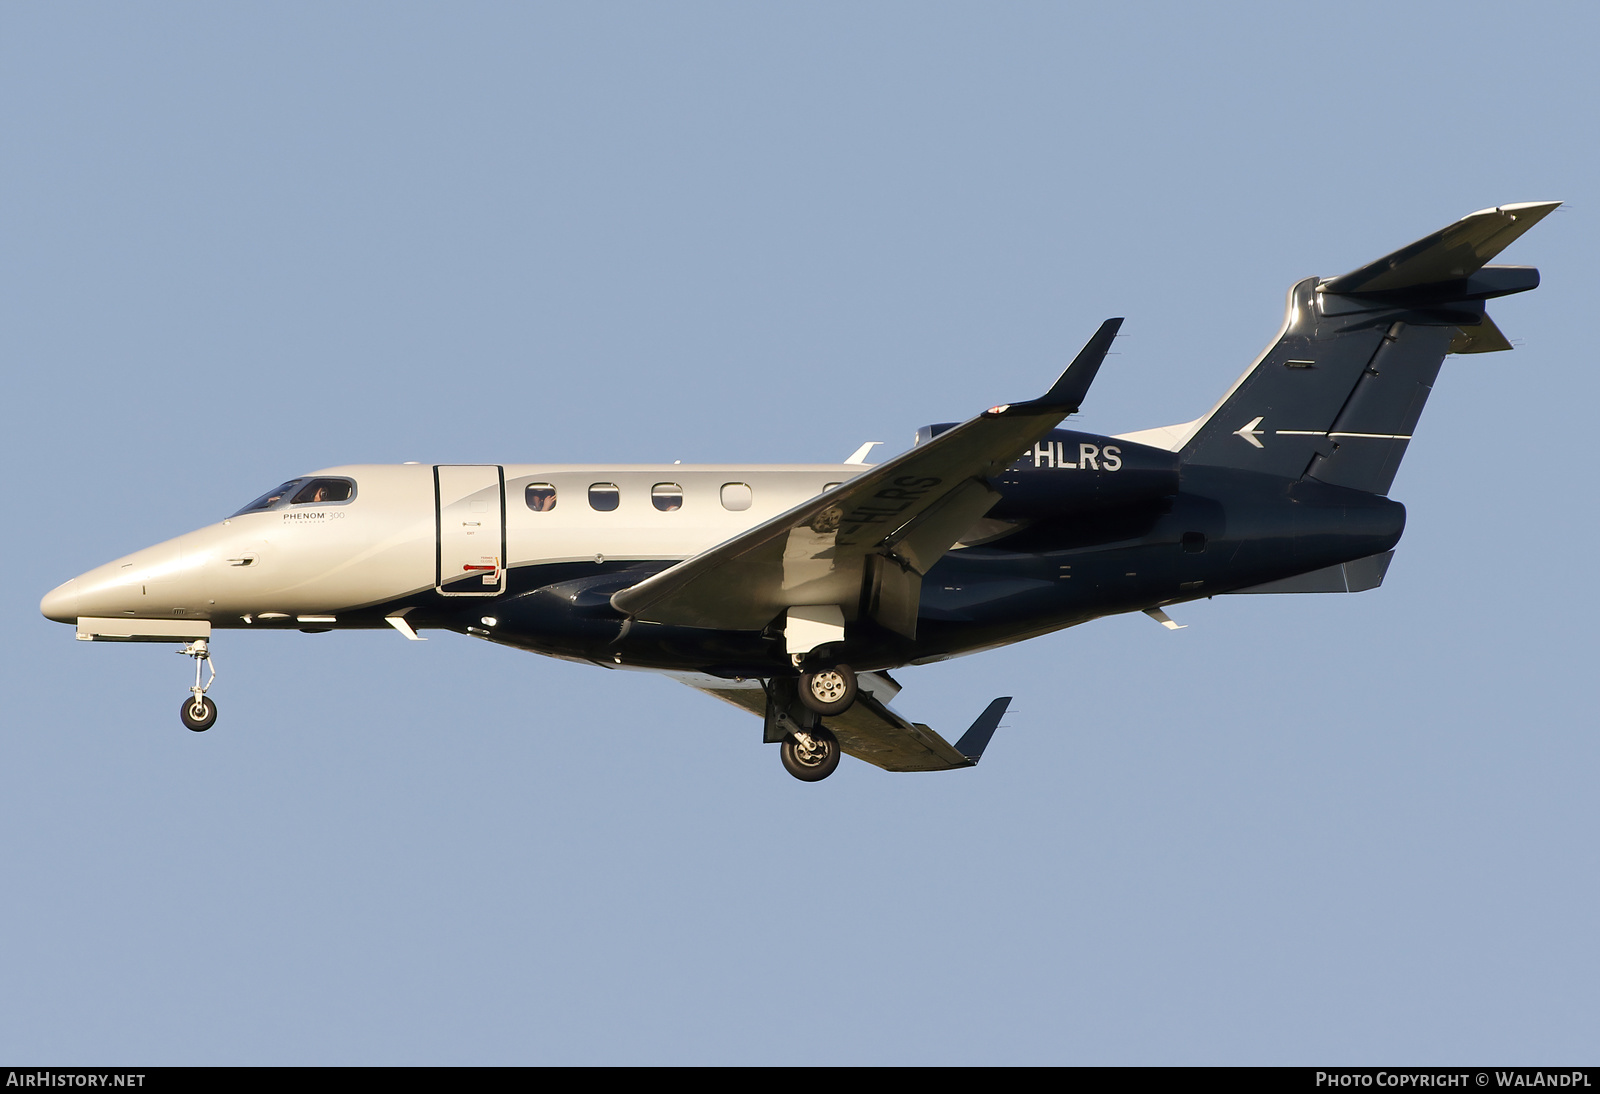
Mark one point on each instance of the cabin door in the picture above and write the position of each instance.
(470, 509)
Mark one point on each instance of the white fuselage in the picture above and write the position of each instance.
(412, 527)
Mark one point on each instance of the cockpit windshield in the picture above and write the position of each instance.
(303, 492)
(323, 490)
(270, 498)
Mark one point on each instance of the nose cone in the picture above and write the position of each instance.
(61, 603)
(159, 582)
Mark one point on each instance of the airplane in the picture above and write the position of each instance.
(793, 590)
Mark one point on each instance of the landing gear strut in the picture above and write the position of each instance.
(198, 712)
(810, 754)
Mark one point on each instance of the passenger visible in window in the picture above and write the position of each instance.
(666, 496)
(541, 497)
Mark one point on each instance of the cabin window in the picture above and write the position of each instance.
(736, 496)
(830, 485)
(1194, 543)
(324, 490)
(666, 496)
(271, 497)
(541, 497)
(604, 497)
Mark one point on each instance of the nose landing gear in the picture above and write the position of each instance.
(198, 712)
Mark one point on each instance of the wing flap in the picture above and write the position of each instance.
(871, 731)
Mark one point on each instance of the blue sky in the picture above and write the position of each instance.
(247, 241)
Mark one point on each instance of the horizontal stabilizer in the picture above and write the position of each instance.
(1451, 256)
(1348, 577)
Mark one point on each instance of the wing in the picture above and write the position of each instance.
(871, 730)
(867, 541)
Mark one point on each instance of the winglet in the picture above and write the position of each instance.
(1067, 393)
(976, 739)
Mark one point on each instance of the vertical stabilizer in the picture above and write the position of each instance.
(1337, 397)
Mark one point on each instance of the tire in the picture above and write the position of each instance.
(207, 716)
(811, 764)
(828, 691)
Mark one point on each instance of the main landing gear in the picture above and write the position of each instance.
(198, 712)
(828, 691)
(810, 755)
(795, 709)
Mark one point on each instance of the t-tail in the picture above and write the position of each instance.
(1337, 397)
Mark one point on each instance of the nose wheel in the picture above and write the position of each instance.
(198, 712)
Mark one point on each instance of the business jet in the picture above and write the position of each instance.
(794, 590)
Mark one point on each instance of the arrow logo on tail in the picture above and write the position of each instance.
(1249, 431)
